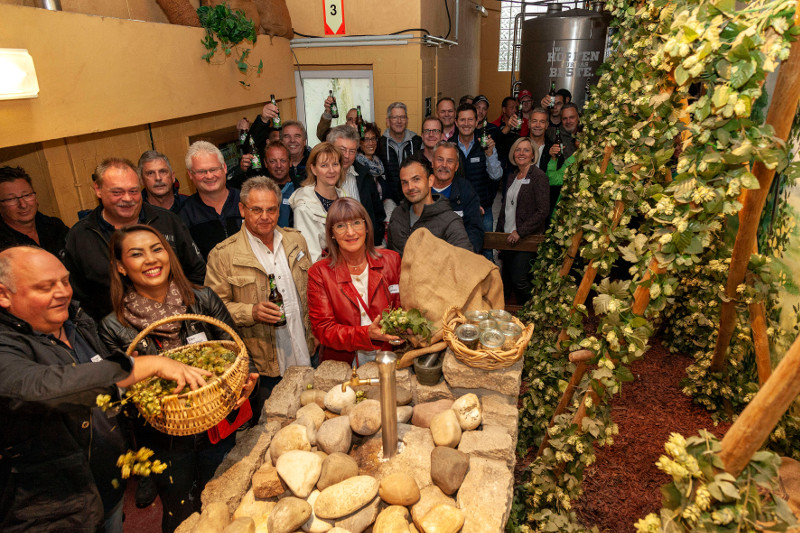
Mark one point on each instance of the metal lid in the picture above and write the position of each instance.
(476, 316)
(500, 314)
(510, 329)
(467, 332)
(492, 338)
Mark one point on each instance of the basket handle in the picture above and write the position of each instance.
(177, 318)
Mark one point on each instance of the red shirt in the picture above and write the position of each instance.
(523, 132)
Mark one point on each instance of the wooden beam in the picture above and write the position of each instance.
(499, 241)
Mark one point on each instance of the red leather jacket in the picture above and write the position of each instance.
(333, 304)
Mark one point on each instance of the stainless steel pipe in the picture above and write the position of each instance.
(387, 368)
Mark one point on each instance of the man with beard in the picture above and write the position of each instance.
(463, 198)
(159, 182)
(559, 160)
(119, 189)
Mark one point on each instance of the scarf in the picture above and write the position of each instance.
(141, 311)
(374, 164)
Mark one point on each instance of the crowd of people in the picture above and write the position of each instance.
(329, 224)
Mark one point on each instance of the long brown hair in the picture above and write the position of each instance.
(122, 285)
(331, 153)
(345, 210)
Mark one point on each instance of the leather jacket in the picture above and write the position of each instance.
(333, 304)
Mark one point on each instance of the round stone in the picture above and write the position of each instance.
(291, 437)
(445, 429)
(336, 400)
(300, 471)
(288, 515)
(346, 497)
(335, 468)
(468, 411)
(448, 468)
(365, 417)
(399, 489)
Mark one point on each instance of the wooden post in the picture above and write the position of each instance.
(641, 296)
(780, 116)
(758, 324)
(761, 415)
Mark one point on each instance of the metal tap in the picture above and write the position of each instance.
(355, 381)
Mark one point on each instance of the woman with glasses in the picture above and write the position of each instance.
(349, 289)
(310, 203)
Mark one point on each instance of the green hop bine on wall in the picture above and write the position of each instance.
(227, 30)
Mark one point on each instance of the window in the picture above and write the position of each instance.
(508, 12)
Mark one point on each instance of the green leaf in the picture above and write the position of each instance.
(729, 6)
(624, 374)
(741, 72)
(749, 181)
(681, 76)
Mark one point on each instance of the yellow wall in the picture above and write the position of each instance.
(361, 17)
(494, 84)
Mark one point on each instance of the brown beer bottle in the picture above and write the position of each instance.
(362, 130)
(276, 298)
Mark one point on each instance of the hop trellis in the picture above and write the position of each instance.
(676, 167)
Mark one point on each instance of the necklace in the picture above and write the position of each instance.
(358, 267)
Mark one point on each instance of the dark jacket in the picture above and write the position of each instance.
(50, 429)
(392, 155)
(52, 235)
(333, 304)
(371, 200)
(87, 255)
(177, 204)
(437, 217)
(465, 203)
(473, 167)
(533, 203)
(208, 228)
(298, 173)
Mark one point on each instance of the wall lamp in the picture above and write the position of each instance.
(17, 75)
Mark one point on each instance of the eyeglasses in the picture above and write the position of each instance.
(370, 139)
(427, 132)
(400, 117)
(258, 211)
(206, 171)
(358, 226)
(14, 199)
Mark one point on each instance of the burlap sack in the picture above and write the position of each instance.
(436, 275)
(275, 18)
(789, 473)
(180, 12)
(248, 6)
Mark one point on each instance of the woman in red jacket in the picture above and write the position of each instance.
(349, 289)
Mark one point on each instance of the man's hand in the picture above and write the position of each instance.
(269, 111)
(249, 385)
(145, 366)
(243, 124)
(555, 150)
(489, 146)
(513, 237)
(246, 162)
(514, 122)
(266, 312)
(546, 101)
(328, 103)
(375, 333)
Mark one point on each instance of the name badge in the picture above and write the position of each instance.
(197, 337)
(475, 160)
(301, 254)
(96, 358)
(285, 201)
(394, 289)
(525, 181)
(460, 213)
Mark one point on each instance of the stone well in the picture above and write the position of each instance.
(483, 499)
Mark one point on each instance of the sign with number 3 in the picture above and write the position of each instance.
(334, 17)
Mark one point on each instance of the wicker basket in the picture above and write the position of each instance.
(209, 404)
(483, 359)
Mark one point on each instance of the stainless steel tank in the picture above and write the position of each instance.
(564, 47)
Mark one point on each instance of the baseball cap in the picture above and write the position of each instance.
(522, 94)
(480, 98)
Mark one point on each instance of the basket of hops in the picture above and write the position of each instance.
(194, 411)
(481, 358)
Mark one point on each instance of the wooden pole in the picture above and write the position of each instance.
(780, 116)
(758, 324)
(761, 415)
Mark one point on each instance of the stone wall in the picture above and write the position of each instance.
(463, 484)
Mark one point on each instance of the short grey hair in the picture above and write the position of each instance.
(446, 144)
(540, 110)
(202, 147)
(153, 155)
(259, 183)
(296, 124)
(395, 105)
(113, 162)
(343, 132)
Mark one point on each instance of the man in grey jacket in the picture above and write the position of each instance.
(422, 209)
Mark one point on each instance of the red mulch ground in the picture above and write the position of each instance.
(624, 484)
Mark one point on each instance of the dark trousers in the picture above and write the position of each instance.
(261, 394)
(517, 274)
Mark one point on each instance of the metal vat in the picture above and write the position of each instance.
(565, 47)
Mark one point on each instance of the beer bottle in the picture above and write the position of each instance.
(334, 107)
(560, 144)
(276, 122)
(276, 298)
(362, 130)
(520, 117)
(484, 136)
(255, 164)
(552, 94)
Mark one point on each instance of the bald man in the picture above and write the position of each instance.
(58, 452)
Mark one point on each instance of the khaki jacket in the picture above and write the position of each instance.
(238, 278)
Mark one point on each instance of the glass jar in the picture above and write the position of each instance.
(475, 317)
(512, 333)
(468, 334)
(501, 315)
(492, 339)
(487, 324)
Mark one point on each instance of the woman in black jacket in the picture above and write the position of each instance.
(147, 284)
(525, 210)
